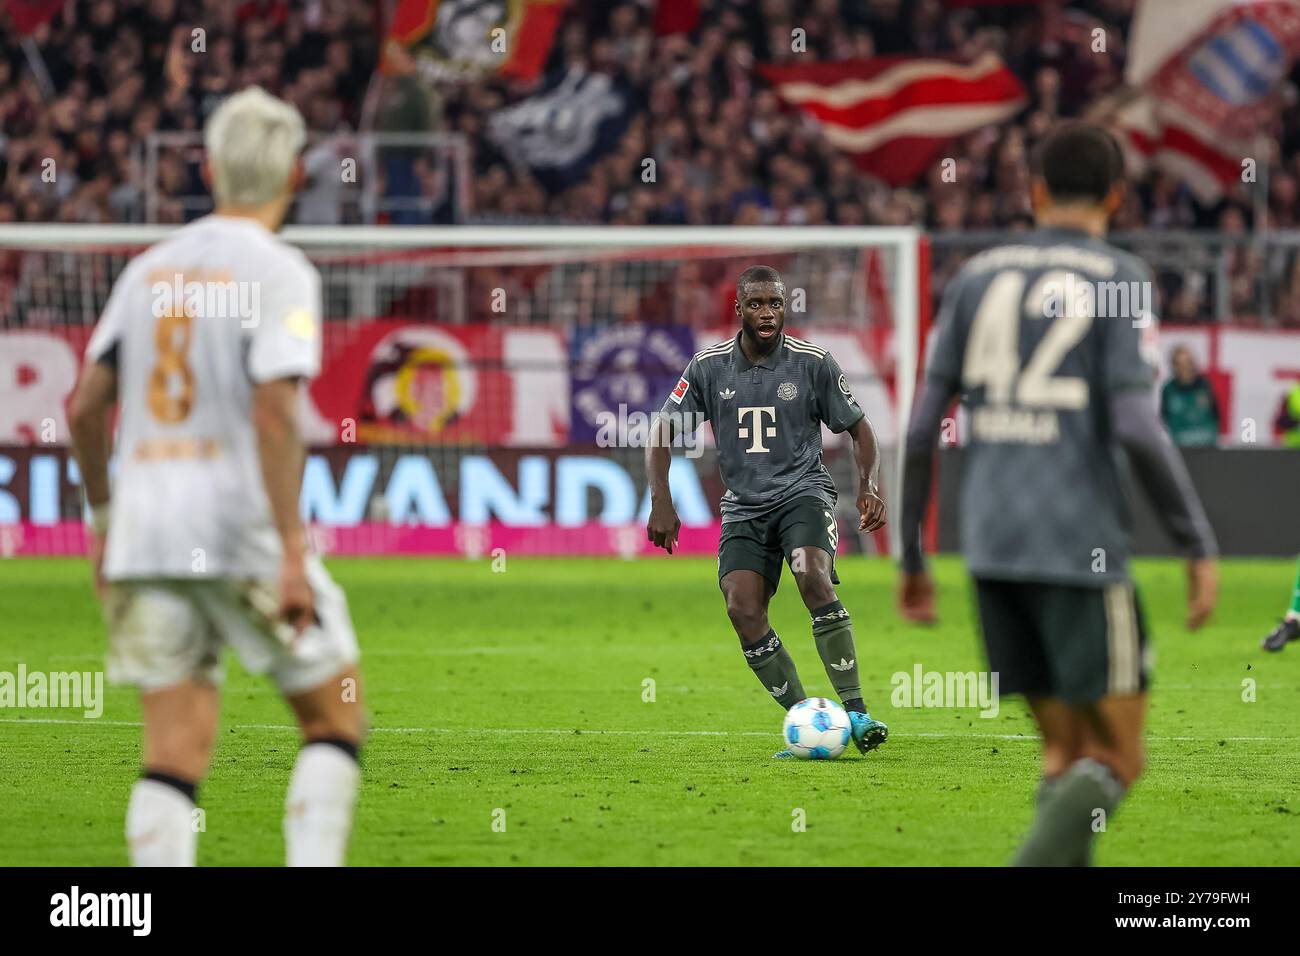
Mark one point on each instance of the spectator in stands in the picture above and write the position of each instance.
(1187, 403)
(408, 107)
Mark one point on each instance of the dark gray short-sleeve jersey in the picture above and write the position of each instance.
(1036, 336)
(767, 420)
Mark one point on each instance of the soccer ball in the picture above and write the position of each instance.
(816, 729)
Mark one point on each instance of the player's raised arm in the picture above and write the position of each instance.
(1136, 425)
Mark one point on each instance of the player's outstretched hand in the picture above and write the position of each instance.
(662, 528)
(872, 509)
(916, 598)
(1202, 590)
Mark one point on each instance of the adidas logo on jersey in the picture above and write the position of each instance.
(727, 393)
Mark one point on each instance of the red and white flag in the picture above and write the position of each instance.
(1206, 72)
(895, 114)
(1156, 132)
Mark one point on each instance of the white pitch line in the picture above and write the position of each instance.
(580, 732)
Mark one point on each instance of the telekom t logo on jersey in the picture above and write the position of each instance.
(756, 431)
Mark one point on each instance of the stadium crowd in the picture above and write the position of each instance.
(728, 153)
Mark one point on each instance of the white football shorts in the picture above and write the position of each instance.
(163, 631)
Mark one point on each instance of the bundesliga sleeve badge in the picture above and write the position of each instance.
(679, 392)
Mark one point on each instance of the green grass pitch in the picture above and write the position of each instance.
(523, 692)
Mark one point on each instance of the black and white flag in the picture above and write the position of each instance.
(560, 132)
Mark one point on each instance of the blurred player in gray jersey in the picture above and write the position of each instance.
(1049, 343)
(767, 395)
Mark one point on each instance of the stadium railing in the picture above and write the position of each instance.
(1201, 265)
(353, 178)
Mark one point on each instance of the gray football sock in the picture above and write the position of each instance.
(1063, 829)
(774, 666)
(833, 634)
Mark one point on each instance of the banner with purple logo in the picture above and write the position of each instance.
(621, 374)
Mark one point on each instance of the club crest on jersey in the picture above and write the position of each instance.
(844, 389)
(786, 391)
(680, 391)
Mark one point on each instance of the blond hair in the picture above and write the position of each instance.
(253, 140)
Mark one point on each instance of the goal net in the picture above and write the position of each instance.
(483, 388)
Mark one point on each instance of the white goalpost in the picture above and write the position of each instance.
(499, 340)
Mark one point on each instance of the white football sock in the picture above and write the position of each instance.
(159, 826)
(318, 810)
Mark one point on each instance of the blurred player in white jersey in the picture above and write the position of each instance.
(205, 344)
